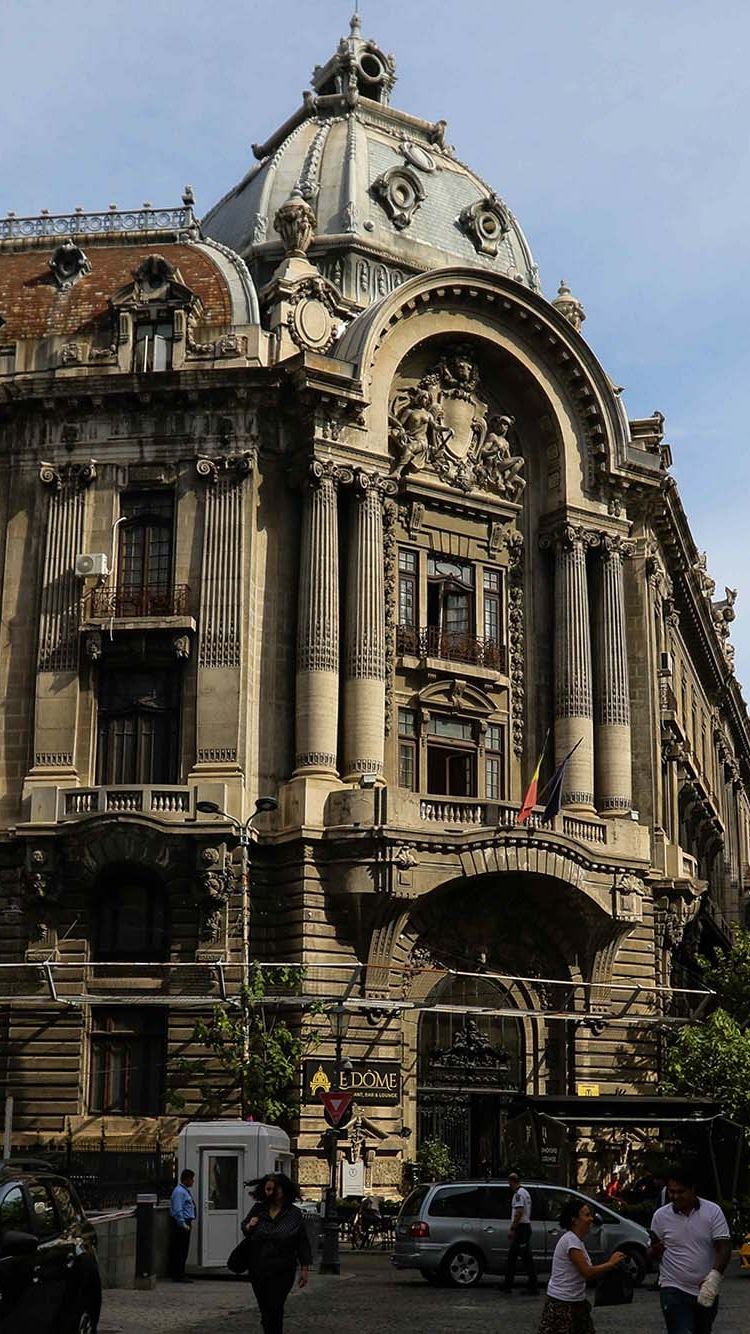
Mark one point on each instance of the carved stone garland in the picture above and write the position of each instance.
(516, 639)
(390, 548)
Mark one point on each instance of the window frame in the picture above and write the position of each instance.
(408, 743)
(153, 342)
(139, 1047)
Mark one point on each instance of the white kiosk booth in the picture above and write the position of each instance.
(225, 1155)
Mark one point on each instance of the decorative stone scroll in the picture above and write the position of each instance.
(400, 192)
(443, 425)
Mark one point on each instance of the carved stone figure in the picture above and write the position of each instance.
(496, 466)
(441, 424)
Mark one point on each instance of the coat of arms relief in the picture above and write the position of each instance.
(443, 424)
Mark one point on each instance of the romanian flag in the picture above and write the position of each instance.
(529, 801)
(554, 787)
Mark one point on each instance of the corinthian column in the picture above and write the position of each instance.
(317, 696)
(611, 686)
(573, 693)
(364, 641)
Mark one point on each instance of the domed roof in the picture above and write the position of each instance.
(390, 197)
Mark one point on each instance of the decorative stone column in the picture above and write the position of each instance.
(573, 682)
(317, 697)
(364, 641)
(612, 739)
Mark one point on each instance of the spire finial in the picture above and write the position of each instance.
(355, 24)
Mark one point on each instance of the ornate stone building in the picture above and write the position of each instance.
(323, 499)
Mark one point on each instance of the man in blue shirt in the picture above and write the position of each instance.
(181, 1218)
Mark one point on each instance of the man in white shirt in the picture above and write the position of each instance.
(520, 1237)
(692, 1243)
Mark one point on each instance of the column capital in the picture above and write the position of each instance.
(373, 483)
(568, 536)
(76, 475)
(321, 471)
(235, 467)
(614, 545)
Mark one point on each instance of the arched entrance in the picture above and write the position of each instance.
(469, 1066)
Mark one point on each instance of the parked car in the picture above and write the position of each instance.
(49, 1276)
(457, 1231)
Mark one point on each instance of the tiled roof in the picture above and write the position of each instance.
(33, 306)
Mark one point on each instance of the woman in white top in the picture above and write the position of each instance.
(566, 1310)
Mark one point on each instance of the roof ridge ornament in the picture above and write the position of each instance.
(359, 68)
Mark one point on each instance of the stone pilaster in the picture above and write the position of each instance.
(317, 707)
(612, 741)
(219, 694)
(364, 641)
(574, 722)
(57, 683)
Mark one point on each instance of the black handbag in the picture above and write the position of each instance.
(615, 1288)
(240, 1260)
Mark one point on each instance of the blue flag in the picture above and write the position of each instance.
(554, 789)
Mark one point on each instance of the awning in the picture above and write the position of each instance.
(614, 1109)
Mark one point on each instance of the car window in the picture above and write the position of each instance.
(496, 1202)
(413, 1203)
(14, 1216)
(462, 1202)
(43, 1211)
(66, 1207)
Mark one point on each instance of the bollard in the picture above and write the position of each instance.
(144, 1242)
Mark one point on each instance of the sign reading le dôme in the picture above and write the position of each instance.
(374, 1082)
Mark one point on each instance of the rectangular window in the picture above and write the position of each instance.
(144, 557)
(138, 726)
(153, 346)
(8, 359)
(494, 633)
(450, 609)
(451, 727)
(408, 602)
(407, 750)
(127, 1062)
(494, 763)
(451, 757)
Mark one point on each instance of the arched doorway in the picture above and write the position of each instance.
(469, 1067)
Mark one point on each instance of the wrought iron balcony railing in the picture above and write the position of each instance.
(451, 646)
(80, 223)
(124, 601)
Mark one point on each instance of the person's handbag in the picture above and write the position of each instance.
(615, 1288)
(241, 1258)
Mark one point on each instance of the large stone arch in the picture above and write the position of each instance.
(588, 421)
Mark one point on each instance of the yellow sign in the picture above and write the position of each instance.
(320, 1083)
(587, 1090)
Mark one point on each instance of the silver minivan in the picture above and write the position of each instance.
(457, 1231)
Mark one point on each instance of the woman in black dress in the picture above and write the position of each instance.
(278, 1243)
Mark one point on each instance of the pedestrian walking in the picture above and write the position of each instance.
(566, 1310)
(692, 1243)
(278, 1243)
(182, 1215)
(520, 1237)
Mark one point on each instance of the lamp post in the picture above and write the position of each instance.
(338, 1018)
(242, 829)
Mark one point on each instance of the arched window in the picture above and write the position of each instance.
(461, 1049)
(131, 918)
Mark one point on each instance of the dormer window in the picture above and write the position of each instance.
(153, 345)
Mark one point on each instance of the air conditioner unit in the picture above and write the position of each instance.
(95, 566)
(665, 663)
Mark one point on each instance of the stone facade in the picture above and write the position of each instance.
(360, 548)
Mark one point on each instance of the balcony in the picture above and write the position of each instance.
(450, 647)
(466, 813)
(169, 802)
(126, 602)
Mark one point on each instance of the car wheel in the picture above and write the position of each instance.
(635, 1264)
(463, 1267)
(86, 1319)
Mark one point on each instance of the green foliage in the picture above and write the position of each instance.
(253, 1054)
(434, 1161)
(712, 1060)
(729, 977)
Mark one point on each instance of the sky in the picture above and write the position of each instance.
(618, 135)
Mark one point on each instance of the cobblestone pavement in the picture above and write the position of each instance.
(370, 1297)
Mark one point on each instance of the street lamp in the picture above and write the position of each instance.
(242, 829)
(338, 1018)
